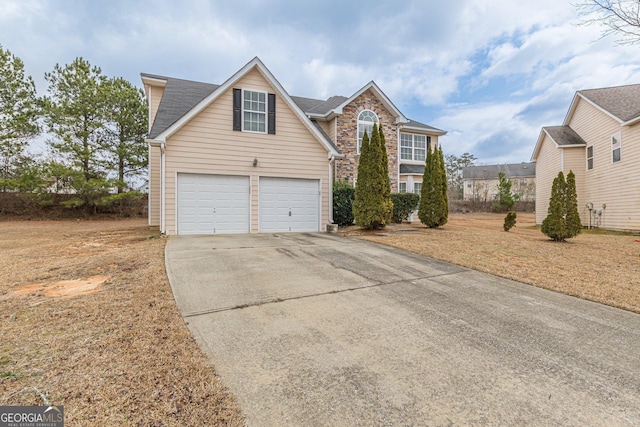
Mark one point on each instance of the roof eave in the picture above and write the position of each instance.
(433, 131)
(400, 118)
(631, 122)
(152, 81)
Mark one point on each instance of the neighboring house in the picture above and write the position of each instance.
(600, 142)
(481, 182)
(246, 157)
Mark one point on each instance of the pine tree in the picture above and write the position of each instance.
(18, 115)
(372, 207)
(554, 225)
(434, 203)
(572, 217)
(124, 147)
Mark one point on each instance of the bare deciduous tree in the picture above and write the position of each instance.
(620, 18)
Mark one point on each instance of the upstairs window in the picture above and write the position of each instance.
(590, 157)
(414, 147)
(366, 120)
(402, 187)
(615, 148)
(417, 187)
(254, 111)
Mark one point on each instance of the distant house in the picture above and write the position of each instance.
(600, 142)
(481, 182)
(247, 157)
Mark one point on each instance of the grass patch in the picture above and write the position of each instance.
(598, 265)
(88, 319)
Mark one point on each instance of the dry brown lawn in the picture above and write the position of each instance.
(88, 321)
(597, 266)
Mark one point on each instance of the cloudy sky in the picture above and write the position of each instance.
(490, 72)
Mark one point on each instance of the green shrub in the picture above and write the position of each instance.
(563, 220)
(509, 221)
(343, 196)
(403, 205)
(434, 202)
(372, 207)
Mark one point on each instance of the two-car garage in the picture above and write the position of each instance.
(222, 204)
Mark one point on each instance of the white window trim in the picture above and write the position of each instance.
(266, 108)
(413, 146)
(592, 157)
(358, 121)
(405, 187)
(617, 136)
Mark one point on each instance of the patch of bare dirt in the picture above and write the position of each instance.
(88, 321)
(601, 267)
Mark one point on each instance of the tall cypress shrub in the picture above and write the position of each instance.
(434, 202)
(372, 207)
(573, 224)
(554, 226)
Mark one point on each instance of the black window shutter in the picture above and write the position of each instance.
(271, 108)
(237, 109)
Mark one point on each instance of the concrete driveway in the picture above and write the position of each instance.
(315, 329)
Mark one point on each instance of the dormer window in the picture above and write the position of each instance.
(366, 120)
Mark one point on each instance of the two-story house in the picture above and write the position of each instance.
(600, 142)
(246, 157)
(480, 183)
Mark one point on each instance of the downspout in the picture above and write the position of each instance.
(331, 167)
(163, 187)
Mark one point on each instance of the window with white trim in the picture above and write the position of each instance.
(254, 111)
(414, 147)
(417, 187)
(402, 187)
(366, 120)
(615, 148)
(590, 157)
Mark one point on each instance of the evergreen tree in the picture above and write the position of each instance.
(18, 114)
(75, 113)
(554, 225)
(572, 217)
(506, 199)
(124, 148)
(434, 203)
(372, 207)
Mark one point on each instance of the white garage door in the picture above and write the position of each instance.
(289, 205)
(213, 204)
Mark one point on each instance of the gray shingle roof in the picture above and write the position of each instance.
(179, 97)
(412, 169)
(414, 124)
(518, 170)
(564, 135)
(621, 101)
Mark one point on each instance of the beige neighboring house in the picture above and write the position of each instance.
(246, 157)
(600, 142)
(480, 183)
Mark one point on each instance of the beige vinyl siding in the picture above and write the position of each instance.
(548, 164)
(155, 95)
(154, 186)
(207, 144)
(329, 127)
(615, 185)
(574, 159)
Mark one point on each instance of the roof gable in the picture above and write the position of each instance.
(200, 105)
(562, 137)
(400, 118)
(621, 103)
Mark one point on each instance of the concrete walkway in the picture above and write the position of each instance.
(315, 329)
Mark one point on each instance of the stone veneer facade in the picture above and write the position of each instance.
(347, 137)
